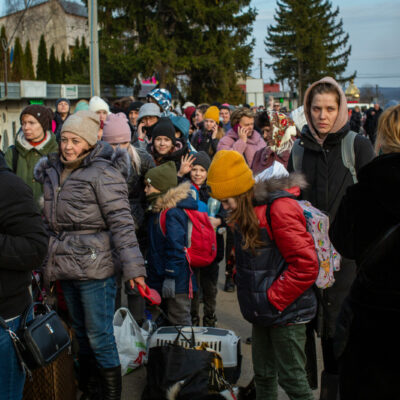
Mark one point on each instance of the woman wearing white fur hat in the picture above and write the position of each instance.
(102, 109)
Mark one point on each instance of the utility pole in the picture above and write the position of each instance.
(261, 68)
(94, 49)
(5, 51)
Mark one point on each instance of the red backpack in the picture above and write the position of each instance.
(202, 240)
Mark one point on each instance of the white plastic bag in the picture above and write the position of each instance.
(276, 170)
(130, 339)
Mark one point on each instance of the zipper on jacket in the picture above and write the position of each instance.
(93, 254)
(325, 152)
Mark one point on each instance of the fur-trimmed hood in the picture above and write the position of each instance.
(24, 146)
(101, 152)
(264, 189)
(181, 194)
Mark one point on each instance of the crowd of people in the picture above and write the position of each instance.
(97, 202)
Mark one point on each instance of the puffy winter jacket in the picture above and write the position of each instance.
(248, 149)
(23, 242)
(275, 283)
(89, 216)
(166, 256)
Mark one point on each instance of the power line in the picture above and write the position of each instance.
(377, 77)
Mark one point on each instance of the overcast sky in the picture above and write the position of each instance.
(374, 29)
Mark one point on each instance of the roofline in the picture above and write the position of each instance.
(38, 5)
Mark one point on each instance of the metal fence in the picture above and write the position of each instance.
(54, 91)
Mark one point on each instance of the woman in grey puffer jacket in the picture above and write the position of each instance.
(88, 214)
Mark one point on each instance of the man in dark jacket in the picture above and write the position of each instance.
(325, 109)
(23, 245)
(371, 122)
(355, 120)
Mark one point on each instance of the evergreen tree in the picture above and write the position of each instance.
(17, 68)
(29, 72)
(308, 43)
(54, 67)
(77, 69)
(42, 66)
(210, 43)
(63, 68)
(2, 68)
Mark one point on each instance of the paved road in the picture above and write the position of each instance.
(229, 317)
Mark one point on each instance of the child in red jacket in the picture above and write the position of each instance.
(277, 266)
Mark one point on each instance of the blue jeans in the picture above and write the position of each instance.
(91, 306)
(12, 378)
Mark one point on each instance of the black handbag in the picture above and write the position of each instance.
(173, 363)
(43, 338)
(40, 341)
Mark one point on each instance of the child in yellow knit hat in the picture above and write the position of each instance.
(276, 266)
(206, 139)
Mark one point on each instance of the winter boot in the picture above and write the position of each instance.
(229, 284)
(329, 386)
(210, 320)
(111, 383)
(89, 380)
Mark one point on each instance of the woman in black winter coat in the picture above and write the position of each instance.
(326, 112)
(366, 229)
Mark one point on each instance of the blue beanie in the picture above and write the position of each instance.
(182, 124)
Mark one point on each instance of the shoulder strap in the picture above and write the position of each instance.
(162, 220)
(348, 154)
(190, 226)
(297, 156)
(15, 155)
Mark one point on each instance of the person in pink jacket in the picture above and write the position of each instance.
(242, 137)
